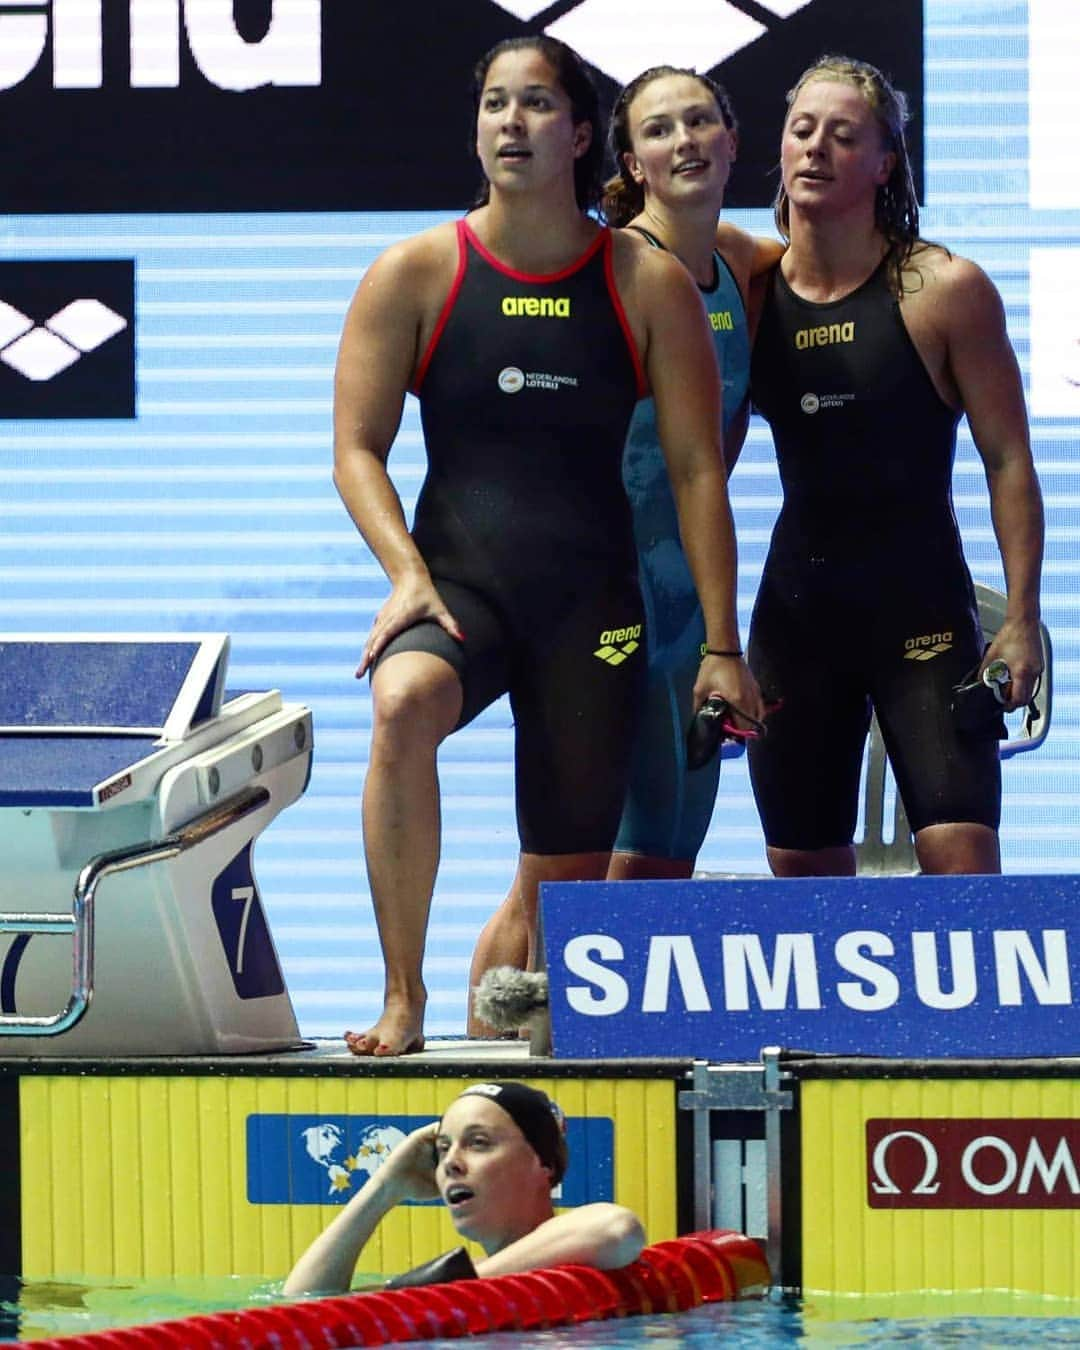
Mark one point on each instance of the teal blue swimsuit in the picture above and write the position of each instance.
(668, 809)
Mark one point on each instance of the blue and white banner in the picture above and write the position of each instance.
(304, 1159)
(915, 967)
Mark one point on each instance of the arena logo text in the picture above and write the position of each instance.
(631, 634)
(824, 335)
(288, 53)
(928, 640)
(536, 307)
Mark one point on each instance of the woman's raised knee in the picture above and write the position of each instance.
(415, 696)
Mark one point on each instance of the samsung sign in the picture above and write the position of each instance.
(918, 967)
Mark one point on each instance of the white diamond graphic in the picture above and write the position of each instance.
(695, 33)
(523, 9)
(39, 355)
(785, 8)
(13, 322)
(86, 324)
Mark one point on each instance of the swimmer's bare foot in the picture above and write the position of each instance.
(397, 1032)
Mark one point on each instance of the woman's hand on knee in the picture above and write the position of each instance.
(413, 599)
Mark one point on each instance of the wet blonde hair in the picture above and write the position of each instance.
(896, 208)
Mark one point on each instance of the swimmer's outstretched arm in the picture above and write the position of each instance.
(377, 356)
(983, 365)
(328, 1265)
(604, 1236)
(680, 362)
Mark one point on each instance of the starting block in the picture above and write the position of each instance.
(132, 790)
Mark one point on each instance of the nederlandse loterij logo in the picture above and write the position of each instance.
(67, 339)
(616, 644)
(812, 403)
(512, 379)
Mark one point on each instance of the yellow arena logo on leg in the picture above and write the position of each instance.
(616, 644)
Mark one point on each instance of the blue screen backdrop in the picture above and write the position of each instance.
(213, 509)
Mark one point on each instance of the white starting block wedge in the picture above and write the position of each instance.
(131, 795)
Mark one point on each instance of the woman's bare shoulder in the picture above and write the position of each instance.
(421, 257)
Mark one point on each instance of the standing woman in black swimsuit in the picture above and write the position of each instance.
(528, 333)
(872, 344)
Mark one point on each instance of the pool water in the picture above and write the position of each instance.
(33, 1309)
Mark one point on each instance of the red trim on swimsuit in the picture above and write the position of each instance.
(620, 314)
(444, 313)
(541, 277)
(466, 237)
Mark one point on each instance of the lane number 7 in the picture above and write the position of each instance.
(247, 895)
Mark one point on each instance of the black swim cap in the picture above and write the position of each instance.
(537, 1117)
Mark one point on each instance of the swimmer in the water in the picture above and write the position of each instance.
(493, 1159)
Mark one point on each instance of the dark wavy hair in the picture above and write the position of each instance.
(896, 208)
(576, 83)
(624, 198)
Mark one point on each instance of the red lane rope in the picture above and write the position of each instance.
(710, 1267)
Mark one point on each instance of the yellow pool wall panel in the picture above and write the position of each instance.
(848, 1247)
(131, 1176)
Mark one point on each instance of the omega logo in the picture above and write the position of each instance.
(973, 1164)
(288, 53)
(884, 1185)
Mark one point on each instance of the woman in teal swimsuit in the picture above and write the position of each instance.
(674, 138)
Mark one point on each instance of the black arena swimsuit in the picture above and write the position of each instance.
(526, 391)
(866, 599)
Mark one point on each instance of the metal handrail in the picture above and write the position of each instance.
(79, 924)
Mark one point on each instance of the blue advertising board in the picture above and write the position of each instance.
(914, 967)
(305, 1159)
